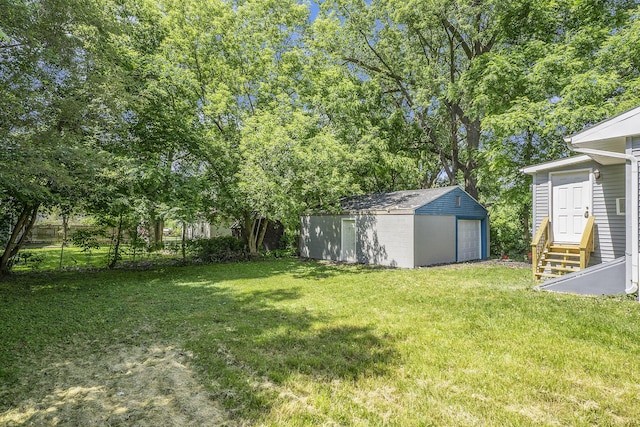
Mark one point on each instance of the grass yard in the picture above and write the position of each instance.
(48, 258)
(290, 343)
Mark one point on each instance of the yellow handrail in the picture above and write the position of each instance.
(539, 243)
(586, 243)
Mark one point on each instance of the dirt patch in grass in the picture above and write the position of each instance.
(142, 386)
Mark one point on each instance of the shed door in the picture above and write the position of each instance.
(570, 205)
(348, 252)
(469, 240)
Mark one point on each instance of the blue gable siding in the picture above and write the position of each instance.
(446, 205)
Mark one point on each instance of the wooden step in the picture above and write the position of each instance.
(567, 254)
(561, 261)
(565, 247)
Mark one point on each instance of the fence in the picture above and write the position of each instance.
(51, 234)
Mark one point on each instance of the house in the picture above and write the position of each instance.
(585, 211)
(401, 229)
(202, 229)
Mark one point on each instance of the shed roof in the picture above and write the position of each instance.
(397, 201)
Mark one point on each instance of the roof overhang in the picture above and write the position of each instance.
(609, 135)
(556, 164)
(390, 211)
(613, 130)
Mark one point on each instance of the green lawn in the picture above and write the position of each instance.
(48, 258)
(290, 343)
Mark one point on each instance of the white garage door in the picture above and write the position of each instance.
(469, 240)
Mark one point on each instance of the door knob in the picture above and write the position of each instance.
(586, 212)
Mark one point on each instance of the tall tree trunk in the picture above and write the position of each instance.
(18, 237)
(255, 230)
(261, 233)
(65, 229)
(158, 228)
(182, 244)
(249, 226)
(116, 249)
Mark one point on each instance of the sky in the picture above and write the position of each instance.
(314, 10)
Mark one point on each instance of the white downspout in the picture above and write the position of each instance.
(633, 286)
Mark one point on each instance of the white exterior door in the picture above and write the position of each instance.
(570, 205)
(469, 240)
(348, 231)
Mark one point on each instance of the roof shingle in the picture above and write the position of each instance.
(398, 200)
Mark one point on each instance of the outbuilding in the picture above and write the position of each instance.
(401, 229)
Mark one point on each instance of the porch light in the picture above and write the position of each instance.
(596, 173)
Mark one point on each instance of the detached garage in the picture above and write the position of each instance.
(400, 229)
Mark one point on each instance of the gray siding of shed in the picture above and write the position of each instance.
(320, 237)
(610, 227)
(385, 240)
(401, 238)
(435, 241)
(380, 239)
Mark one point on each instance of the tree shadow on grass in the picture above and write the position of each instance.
(246, 344)
(252, 354)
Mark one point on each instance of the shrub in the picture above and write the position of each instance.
(32, 260)
(507, 234)
(87, 239)
(217, 249)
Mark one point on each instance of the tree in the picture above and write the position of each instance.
(558, 79)
(51, 72)
(289, 166)
(419, 54)
(242, 64)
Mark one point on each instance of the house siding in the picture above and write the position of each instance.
(540, 199)
(385, 240)
(446, 205)
(433, 239)
(609, 227)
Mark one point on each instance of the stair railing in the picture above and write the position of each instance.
(586, 243)
(540, 242)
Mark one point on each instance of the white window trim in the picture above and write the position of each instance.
(621, 208)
